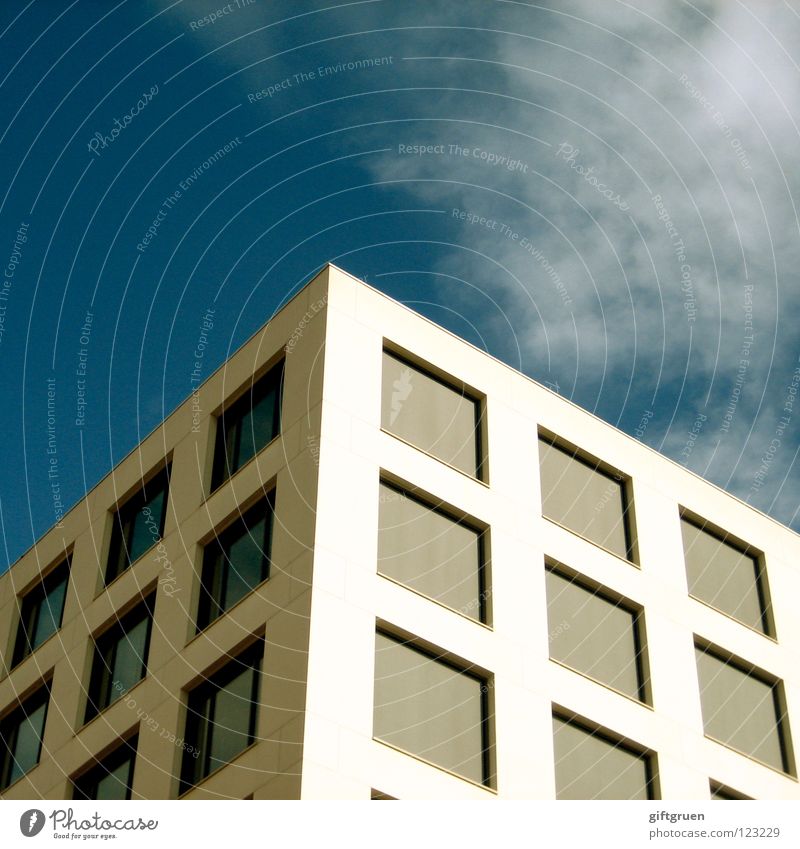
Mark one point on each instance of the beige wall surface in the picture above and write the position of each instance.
(177, 658)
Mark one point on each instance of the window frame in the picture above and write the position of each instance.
(460, 387)
(18, 712)
(759, 561)
(380, 796)
(213, 552)
(106, 642)
(29, 605)
(124, 514)
(483, 678)
(776, 685)
(606, 470)
(639, 629)
(236, 406)
(722, 792)
(100, 766)
(618, 741)
(457, 517)
(197, 703)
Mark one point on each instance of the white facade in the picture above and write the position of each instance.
(341, 758)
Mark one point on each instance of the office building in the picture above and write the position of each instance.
(367, 560)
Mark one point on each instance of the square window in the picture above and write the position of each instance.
(21, 733)
(726, 576)
(744, 709)
(138, 524)
(120, 657)
(236, 562)
(248, 424)
(432, 709)
(427, 550)
(41, 611)
(222, 713)
(434, 416)
(585, 499)
(111, 778)
(592, 765)
(596, 635)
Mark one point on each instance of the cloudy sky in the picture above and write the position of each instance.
(603, 194)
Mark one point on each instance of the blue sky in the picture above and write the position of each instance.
(603, 195)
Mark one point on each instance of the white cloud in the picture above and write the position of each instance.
(721, 149)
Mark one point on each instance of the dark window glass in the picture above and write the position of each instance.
(430, 552)
(138, 524)
(111, 778)
(725, 577)
(120, 657)
(21, 733)
(584, 499)
(248, 425)
(431, 415)
(431, 709)
(590, 765)
(221, 716)
(41, 611)
(743, 710)
(236, 562)
(595, 635)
